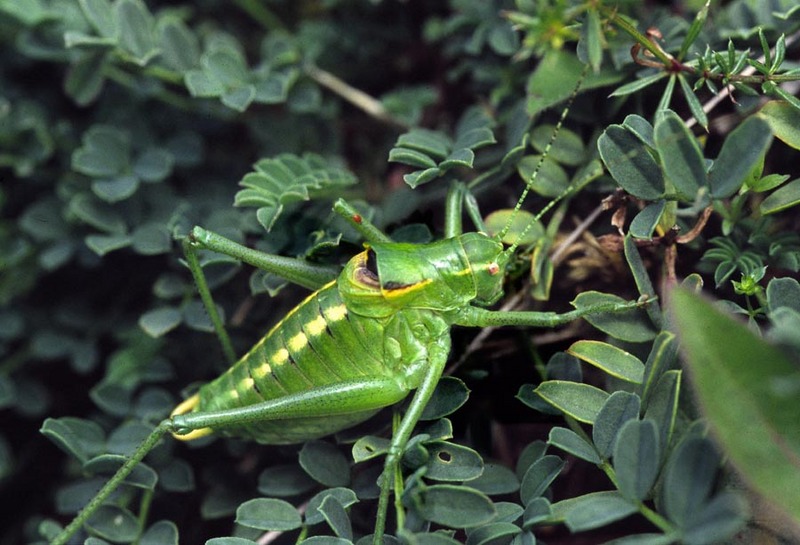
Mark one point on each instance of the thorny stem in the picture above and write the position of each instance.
(138, 455)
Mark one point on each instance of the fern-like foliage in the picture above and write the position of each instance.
(288, 179)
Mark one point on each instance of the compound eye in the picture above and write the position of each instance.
(493, 269)
(372, 263)
(368, 272)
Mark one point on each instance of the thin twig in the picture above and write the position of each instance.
(361, 100)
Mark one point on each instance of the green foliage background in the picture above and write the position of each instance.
(124, 123)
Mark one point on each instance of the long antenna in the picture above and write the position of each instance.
(536, 170)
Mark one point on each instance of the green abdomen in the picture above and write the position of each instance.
(318, 343)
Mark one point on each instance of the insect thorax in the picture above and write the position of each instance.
(441, 276)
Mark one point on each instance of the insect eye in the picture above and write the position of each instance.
(493, 268)
(372, 263)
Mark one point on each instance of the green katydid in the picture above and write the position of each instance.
(362, 341)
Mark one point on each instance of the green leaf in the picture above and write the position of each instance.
(432, 143)
(83, 439)
(666, 97)
(568, 148)
(230, 541)
(101, 16)
(556, 76)
(784, 120)
(284, 481)
(617, 410)
(127, 436)
(782, 198)
(539, 477)
(151, 239)
(474, 138)
(720, 355)
(499, 219)
(783, 293)
(102, 244)
(639, 84)
(287, 179)
(268, 514)
(326, 540)
(689, 478)
(641, 277)
(717, 521)
(411, 157)
(456, 506)
(569, 441)
(422, 177)
(694, 103)
(636, 458)
(580, 401)
(629, 162)
(369, 447)
(162, 532)
(153, 165)
(226, 65)
(610, 359)
(180, 49)
(594, 510)
(550, 180)
(493, 534)
(662, 406)
(495, 479)
(161, 321)
(115, 189)
(325, 464)
(450, 394)
(767, 183)
(630, 325)
(741, 152)
(459, 157)
(336, 517)
(451, 462)
(85, 78)
(114, 524)
(641, 128)
(680, 155)
(202, 84)
(344, 496)
(662, 357)
(536, 511)
(239, 98)
(136, 31)
(645, 222)
(142, 476)
(177, 476)
(592, 37)
(105, 152)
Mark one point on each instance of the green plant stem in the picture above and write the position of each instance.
(261, 14)
(144, 511)
(137, 456)
(127, 80)
(624, 25)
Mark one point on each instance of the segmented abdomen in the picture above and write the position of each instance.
(318, 343)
